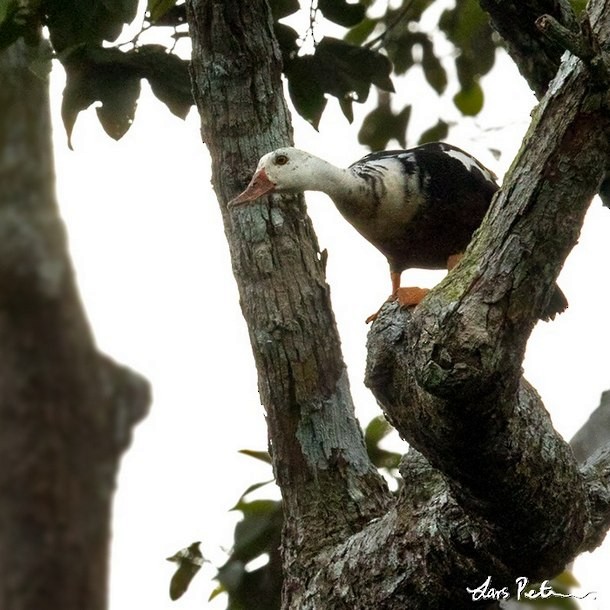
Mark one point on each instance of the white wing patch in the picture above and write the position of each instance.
(469, 162)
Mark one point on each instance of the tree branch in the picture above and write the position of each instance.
(571, 40)
(536, 56)
(521, 22)
(448, 374)
(420, 554)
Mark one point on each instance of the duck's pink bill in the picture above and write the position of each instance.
(259, 185)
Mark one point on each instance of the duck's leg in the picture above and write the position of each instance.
(411, 296)
(453, 260)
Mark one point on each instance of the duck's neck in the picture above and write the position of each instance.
(348, 191)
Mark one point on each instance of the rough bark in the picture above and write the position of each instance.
(66, 411)
(491, 489)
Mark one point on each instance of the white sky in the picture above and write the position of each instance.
(153, 269)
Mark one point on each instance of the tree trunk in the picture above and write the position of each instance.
(491, 489)
(330, 488)
(66, 411)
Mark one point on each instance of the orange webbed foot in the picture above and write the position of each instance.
(409, 297)
(406, 297)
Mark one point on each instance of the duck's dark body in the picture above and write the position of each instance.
(451, 192)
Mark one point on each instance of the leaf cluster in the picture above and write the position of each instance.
(81, 33)
(375, 48)
(336, 67)
(256, 536)
(113, 77)
(410, 46)
(84, 34)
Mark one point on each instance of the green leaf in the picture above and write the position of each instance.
(305, 92)
(359, 33)
(189, 562)
(76, 22)
(467, 27)
(399, 47)
(341, 12)
(257, 455)
(120, 98)
(377, 429)
(435, 133)
(399, 37)
(254, 487)
(262, 519)
(173, 17)
(381, 125)
(157, 8)
(566, 579)
(347, 107)
(470, 101)
(217, 591)
(125, 10)
(167, 74)
(99, 74)
(347, 70)
(433, 69)
(287, 39)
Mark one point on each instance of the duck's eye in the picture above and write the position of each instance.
(281, 160)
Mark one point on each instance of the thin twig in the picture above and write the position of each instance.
(380, 39)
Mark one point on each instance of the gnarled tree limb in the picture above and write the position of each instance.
(448, 375)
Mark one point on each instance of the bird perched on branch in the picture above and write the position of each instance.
(419, 206)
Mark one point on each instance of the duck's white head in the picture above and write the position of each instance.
(285, 170)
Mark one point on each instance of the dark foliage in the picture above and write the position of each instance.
(371, 51)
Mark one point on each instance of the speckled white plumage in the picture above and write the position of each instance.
(382, 194)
